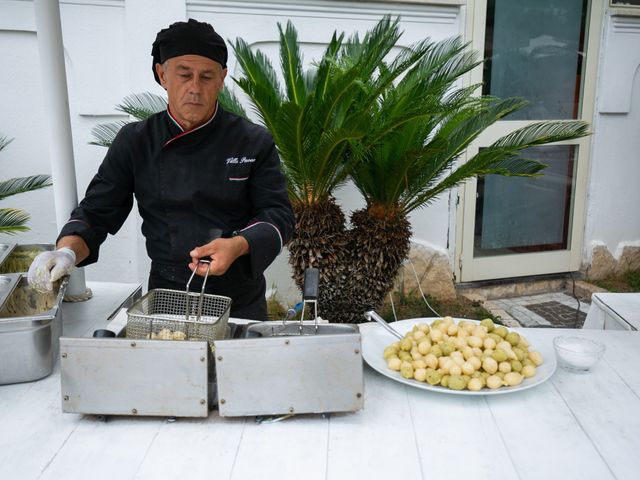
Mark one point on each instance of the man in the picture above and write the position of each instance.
(207, 182)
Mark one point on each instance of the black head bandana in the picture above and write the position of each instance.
(188, 38)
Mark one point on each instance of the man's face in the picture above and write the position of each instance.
(193, 84)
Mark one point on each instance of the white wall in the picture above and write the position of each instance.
(613, 216)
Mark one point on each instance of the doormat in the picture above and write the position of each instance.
(558, 315)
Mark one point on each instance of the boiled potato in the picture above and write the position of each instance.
(464, 355)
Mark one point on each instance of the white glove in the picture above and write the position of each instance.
(48, 267)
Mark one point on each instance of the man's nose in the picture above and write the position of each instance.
(195, 84)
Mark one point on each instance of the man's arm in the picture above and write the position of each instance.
(104, 209)
(75, 243)
(106, 205)
(273, 221)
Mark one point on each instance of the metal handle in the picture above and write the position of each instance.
(310, 295)
(372, 315)
(201, 299)
(311, 279)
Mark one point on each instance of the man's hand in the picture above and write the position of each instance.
(223, 252)
(48, 267)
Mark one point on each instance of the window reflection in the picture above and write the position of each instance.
(525, 215)
(534, 50)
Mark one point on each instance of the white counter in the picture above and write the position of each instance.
(572, 426)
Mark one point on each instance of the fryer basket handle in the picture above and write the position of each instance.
(201, 298)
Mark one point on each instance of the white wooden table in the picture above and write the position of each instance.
(614, 311)
(572, 426)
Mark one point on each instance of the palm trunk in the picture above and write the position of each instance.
(378, 244)
(320, 241)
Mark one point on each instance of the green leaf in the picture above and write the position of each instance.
(259, 83)
(230, 103)
(291, 63)
(142, 105)
(105, 133)
(542, 133)
(4, 141)
(15, 186)
(13, 221)
(138, 105)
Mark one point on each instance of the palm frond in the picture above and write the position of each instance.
(259, 83)
(291, 64)
(503, 157)
(13, 221)
(15, 186)
(104, 133)
(4, 141)
(486, 162)
(231, 103)
(142, 105)
(541, 133)
(332, 167)
(327, 65)
(138, 105)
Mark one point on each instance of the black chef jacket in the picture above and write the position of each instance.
(223, 176)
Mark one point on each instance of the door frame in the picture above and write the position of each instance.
(466, 267)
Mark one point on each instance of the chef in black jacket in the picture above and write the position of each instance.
(208, 185)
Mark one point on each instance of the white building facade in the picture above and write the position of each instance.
(569, 58)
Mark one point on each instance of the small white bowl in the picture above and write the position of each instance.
(577, 354)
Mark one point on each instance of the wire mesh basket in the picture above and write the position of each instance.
(163, 314)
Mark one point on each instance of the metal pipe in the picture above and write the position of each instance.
(56, 102)
(372, 315)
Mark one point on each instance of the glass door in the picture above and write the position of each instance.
(543, 51)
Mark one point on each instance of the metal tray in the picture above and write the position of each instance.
(10, 251)
(30, 328)
(7, 285)
(5, 250)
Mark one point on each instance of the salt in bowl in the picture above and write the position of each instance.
(577, 354)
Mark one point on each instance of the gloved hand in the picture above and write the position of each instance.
(48, 267)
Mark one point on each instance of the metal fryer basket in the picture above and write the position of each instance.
(165, 314)
(161, 310)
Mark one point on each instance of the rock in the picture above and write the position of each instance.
(433, 270)
(629, 260)
(602, 263)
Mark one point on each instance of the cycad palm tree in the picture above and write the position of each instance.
(318, 120)
(14, 220)
(398, 129)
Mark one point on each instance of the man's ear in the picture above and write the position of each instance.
(224, 75)
(160, 72)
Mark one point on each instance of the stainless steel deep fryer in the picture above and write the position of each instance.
(285, 368)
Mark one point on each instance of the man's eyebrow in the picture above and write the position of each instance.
(189, 69)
